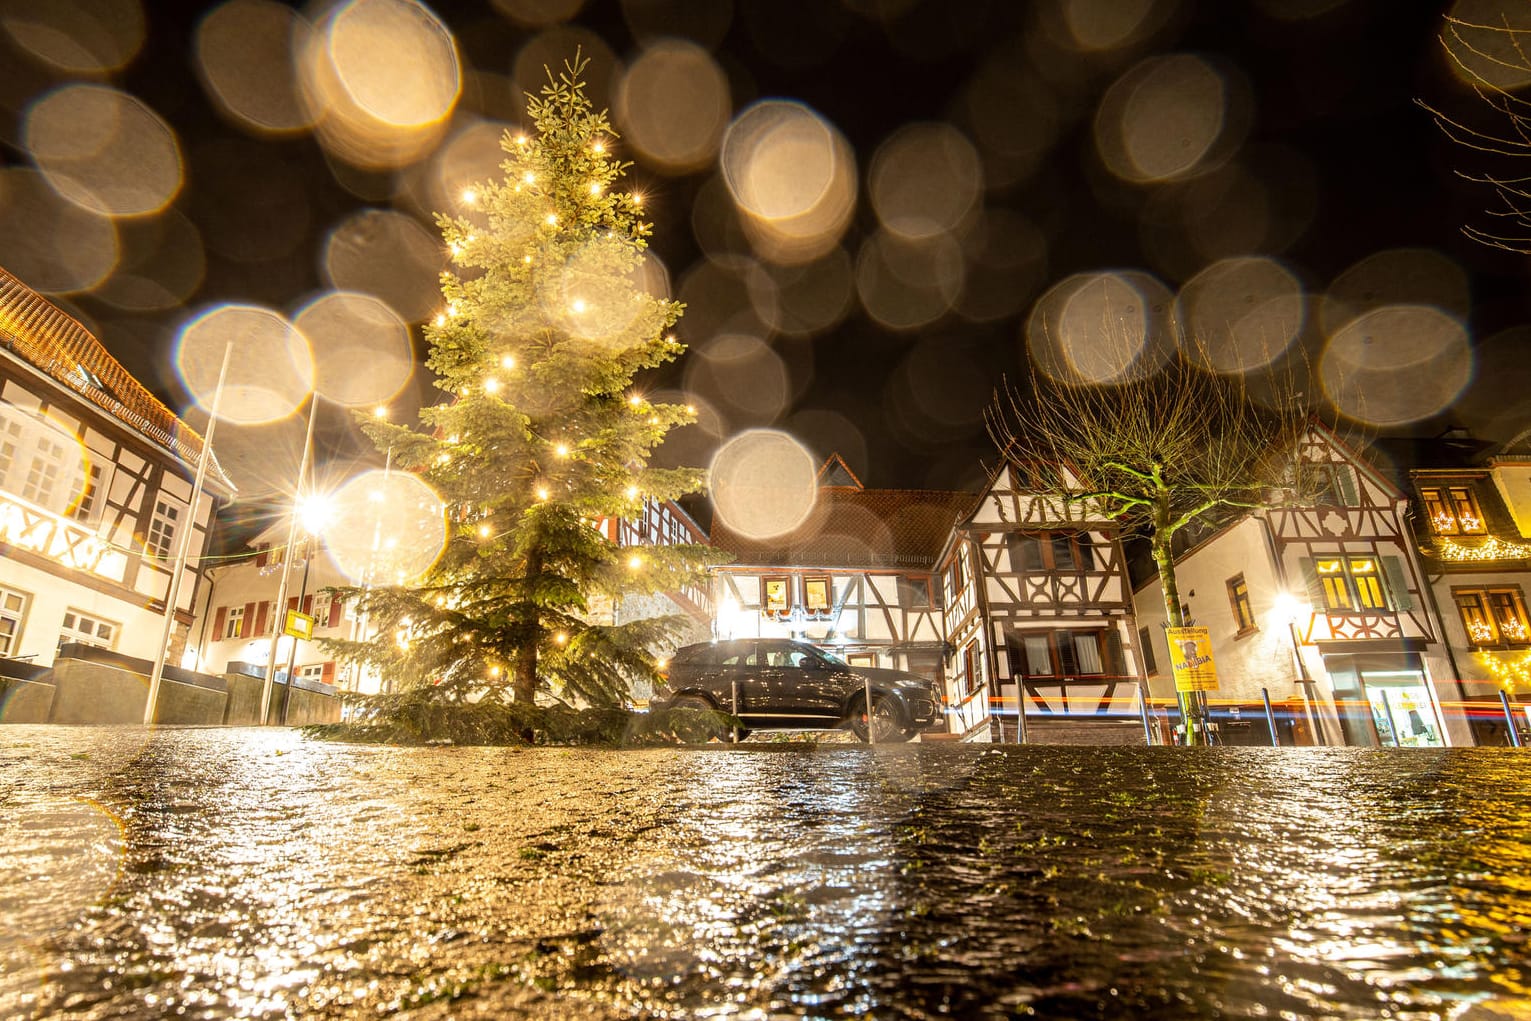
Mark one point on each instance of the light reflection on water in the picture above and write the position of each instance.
(250, 873)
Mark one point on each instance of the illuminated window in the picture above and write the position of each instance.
(13, 606)
(776, 594)
(162, 528)
(87, 629)
(1238, 596)
(1331, 573)
(41, 485)
(88, 507)
(1493, 616)
(1367, 584)
(1453, 511)
(816, 594)
(234, 622)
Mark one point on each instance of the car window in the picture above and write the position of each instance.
(740, 657)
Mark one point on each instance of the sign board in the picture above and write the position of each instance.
(1191, 658)
(300, 625)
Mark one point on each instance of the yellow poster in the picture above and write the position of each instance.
(299, 625)
(1191, 658)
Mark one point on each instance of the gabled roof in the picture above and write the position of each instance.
(54, 343)
(835, 472)
(856, 527)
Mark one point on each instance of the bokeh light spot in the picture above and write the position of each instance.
(1166, 118)
(1101, 327)
(673, 105)
(104, 150)
(360, 345)
(393, 528)
(792, 176)
(78, 36)
(1396, 364)
(763, 483)
(271, 370)
(1242, 314)
(740, 375)
(924, 179)
(53, 245)
(389, 255)
(245, 56)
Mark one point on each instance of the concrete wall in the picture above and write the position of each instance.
(93, 686)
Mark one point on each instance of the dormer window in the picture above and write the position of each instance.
(1453, 510)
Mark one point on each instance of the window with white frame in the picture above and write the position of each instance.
(88, 507)
(88, 629)
(13, 611)
(162, 528)
(234, 622)
(10, 440)
(41, 485)
(311, 672)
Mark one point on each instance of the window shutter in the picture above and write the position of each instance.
(328, 676)
(261, 614)
(1063, 641)
(292, 603)
(1086, 552)
(262, 556)
(308, 604)
(1397, 583)
(1116, 663)
(218, 620)
(248, 622)
(337, 608)
(1315, 587)
(1345, 482)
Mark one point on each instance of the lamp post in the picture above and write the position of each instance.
(174, 591)
(1288, 606)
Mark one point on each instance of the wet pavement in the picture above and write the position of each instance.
(222, 873)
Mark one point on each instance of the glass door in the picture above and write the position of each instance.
(1403, 712)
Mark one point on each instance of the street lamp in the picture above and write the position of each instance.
(314, 513)
(1290, 609)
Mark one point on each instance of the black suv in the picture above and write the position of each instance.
(786, 685)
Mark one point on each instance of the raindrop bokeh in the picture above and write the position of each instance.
(1396, 364)
(763, 483)
(394, 528)
(270, 371)
(360, 348)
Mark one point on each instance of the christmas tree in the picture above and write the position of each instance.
(542, 433)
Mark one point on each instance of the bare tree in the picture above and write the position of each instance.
(1493, 60)
(1158, 452)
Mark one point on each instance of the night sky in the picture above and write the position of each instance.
(1322, 159)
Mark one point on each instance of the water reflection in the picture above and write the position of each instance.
(258, 875)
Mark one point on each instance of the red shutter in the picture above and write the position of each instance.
(308, 604)
(328, 676)
(260, 617)
(292, 602)
(261, 557)
(218, 619)
(337, 609)
(248, 622)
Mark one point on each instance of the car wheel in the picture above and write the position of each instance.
(887, 721)
(697, 703)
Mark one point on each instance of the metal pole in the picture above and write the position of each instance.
(735, 728)
(1509, 718)
(1392, 724)
(292, 651)
(281, 589)
(174, 593)
(1270, 717)
(1148, 730)
(871, 738)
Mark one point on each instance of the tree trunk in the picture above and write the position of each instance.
(524, 684)
(1193, 705)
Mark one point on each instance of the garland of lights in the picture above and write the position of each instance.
(1492, 548)
(1512, 671)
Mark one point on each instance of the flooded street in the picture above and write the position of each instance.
(222, 873)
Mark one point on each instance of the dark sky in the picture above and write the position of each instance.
(1321, 161)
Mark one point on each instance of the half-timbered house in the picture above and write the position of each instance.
(1473, 528)
(95, 491)
(1320, 602)
(1037, 600)
(856, 577)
